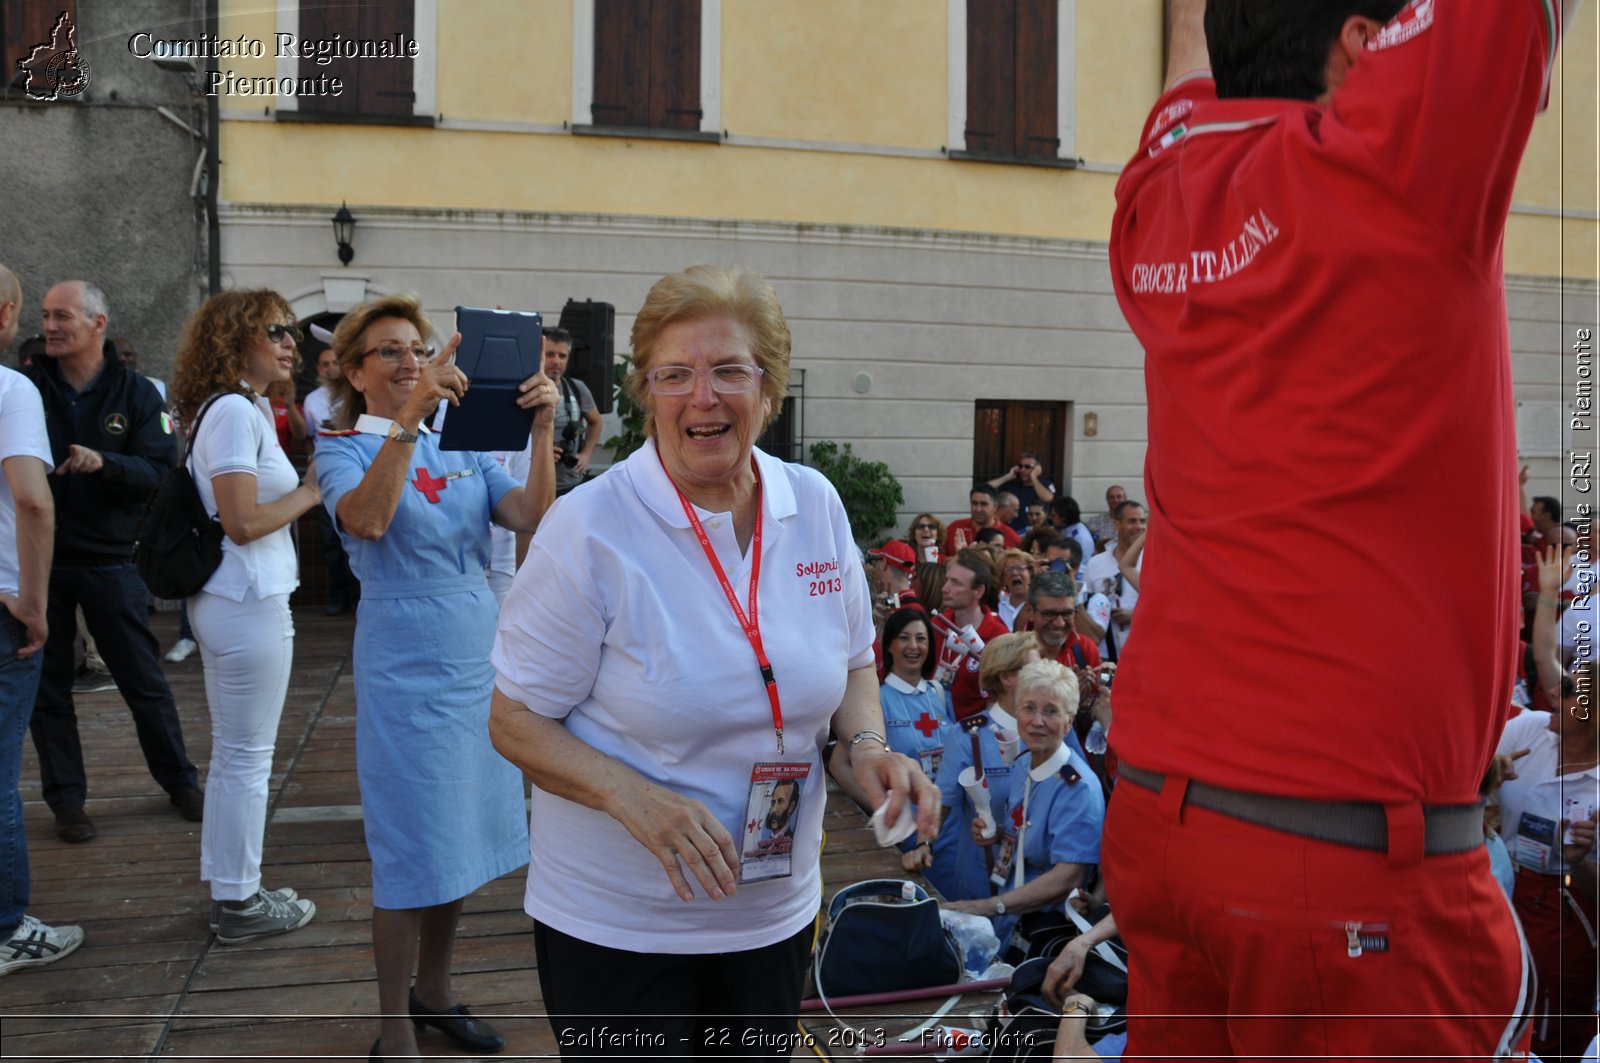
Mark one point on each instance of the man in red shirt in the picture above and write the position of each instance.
(967, 580)
(964, 532)
(1315, 276)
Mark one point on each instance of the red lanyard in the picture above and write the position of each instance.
(751, 621)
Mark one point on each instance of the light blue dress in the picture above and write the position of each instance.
(444, 813)
(960, 872)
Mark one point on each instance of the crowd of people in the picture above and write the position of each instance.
(1314, 847)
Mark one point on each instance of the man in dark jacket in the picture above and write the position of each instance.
(112, 443)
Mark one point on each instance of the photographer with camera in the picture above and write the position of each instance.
(577, 419)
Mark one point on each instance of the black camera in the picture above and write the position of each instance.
(569, 445)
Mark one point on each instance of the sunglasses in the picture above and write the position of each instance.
(276, 333)
(924, 527)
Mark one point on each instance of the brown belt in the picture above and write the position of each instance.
(1358, 824)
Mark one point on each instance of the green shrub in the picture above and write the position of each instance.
(872, 496)
(632, 437)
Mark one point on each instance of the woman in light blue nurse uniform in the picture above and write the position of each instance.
(444, 813)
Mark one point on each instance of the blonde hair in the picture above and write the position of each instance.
(1055, 679)
(706, 291)
(213, 352)
(1003, 655)
(348, 403)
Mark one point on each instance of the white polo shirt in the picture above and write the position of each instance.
(22, 434)
(617, 625)
(1539, 791)
(237, 435)
(319, 408)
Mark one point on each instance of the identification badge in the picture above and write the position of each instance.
(1005, 851)
(772, 811)
(1535, 842)
(930, 762)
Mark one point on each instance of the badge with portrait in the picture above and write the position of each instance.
(766, 850)
(1536, 837)
(1005, 852)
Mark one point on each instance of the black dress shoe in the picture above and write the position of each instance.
(458, 1024)
(372, 1056)
(73, 825)
(190, 803)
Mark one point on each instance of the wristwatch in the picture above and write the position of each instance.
(999, 906)
(400, 435)
(1073, 1007)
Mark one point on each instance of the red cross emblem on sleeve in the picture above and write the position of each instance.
(428, 484)
(927, 725)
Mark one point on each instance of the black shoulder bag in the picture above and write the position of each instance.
(179, 544)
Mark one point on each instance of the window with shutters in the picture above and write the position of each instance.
(375, 89)
(26, 24)
(647, 64)
(1013, 67)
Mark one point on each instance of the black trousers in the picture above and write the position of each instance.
(112, 598)
(631, 1005)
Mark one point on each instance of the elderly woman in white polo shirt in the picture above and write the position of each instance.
(233, 349)
(683, 636)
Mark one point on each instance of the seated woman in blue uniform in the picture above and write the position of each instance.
(443, 812)
(915, 715)
(1049, 827)
(961, 867)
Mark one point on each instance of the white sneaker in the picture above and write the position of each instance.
(181, 650)
(33, 944)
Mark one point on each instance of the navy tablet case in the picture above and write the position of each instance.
(499, 350)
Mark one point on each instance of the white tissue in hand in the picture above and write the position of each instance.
(900, 831)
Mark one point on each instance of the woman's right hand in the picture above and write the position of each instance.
(438, 381)
(676, 828)
(309, 482)
(978, 835)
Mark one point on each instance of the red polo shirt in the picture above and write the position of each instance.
(1319, 294)
(966, 696)
(965, 525)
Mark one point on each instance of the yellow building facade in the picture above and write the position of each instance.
(945, 302)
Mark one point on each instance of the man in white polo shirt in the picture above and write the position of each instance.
(27, 523)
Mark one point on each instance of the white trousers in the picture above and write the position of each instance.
(247, 648)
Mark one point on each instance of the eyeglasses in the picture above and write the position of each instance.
(396, 353)
(1013, 570)
(1048, 615)
(1029, 466)
(731, 378)
(276, 333)
(924, 527)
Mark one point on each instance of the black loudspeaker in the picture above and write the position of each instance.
(592, 326)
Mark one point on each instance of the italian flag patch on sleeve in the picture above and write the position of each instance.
(166, 424)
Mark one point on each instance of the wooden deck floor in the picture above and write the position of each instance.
(150, 982)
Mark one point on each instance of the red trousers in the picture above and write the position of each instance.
(1250, 943)
(1561, 939)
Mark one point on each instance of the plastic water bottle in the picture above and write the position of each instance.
(1095, 742)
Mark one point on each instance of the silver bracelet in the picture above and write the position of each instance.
(863, 736)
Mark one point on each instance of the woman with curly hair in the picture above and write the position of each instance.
(234, 348)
